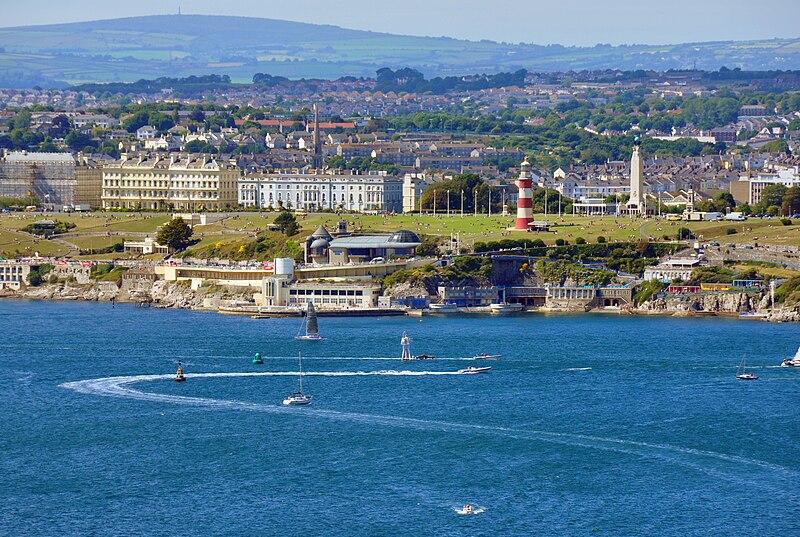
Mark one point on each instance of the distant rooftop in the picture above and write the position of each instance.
(24, 156)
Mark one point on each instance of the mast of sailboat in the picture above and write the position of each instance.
(300, 359)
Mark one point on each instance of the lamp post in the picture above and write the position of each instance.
(545, 201)
(434, 202)
(475, 203)
(462, 203)
(490, 202)
(559, 204)
(448, 202)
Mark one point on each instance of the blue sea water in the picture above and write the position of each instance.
(587, 425)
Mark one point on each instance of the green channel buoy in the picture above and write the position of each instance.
(257, 359)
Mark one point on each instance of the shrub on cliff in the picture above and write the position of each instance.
(647, 290)
(37, 274)
(788, 292)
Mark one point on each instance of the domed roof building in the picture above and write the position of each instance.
(316, 246)
(321, 247)
(404, 236)
(322, 233)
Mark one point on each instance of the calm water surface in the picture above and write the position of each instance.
(592, 424)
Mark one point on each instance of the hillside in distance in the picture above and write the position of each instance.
(128, 49)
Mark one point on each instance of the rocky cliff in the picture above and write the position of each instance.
(156, 293)
(720, 304)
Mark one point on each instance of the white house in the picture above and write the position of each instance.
(147, 132)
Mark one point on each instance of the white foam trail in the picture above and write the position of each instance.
(577, 369)
(120, 387)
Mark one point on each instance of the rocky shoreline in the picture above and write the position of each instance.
(157, 293)
(179, 295)
(723, 304)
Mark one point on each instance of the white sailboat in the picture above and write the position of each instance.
(792, 362)
(744, 374)
(311, 325)
(298, 398)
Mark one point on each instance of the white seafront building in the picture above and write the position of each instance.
(167, 181)
(373, 192)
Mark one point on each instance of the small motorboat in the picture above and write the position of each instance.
(469, 509)
(474, 370)
(485, 356)
(257, 360)
(424, 357)
(179, 376)
(744, 374)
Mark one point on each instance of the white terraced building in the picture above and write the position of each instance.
(374, 192)
(161, 181)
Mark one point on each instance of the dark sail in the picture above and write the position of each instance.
(312, 329)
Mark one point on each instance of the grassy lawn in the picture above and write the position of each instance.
(14, 244)
(766, 269)
(90, 229)
(96, 222)
(92, 243)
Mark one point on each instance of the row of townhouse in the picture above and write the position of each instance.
(158, 181)
(373, 192)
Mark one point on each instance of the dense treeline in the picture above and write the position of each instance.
(191, 84)
(411, 80)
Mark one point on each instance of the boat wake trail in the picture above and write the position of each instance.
(734, 468)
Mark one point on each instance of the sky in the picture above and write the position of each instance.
(567, 22)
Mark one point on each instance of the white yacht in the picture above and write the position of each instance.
(445, 307)
(500, 308)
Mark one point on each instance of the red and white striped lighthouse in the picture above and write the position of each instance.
(524, 197)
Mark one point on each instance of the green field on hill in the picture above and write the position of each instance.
(99, 230)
